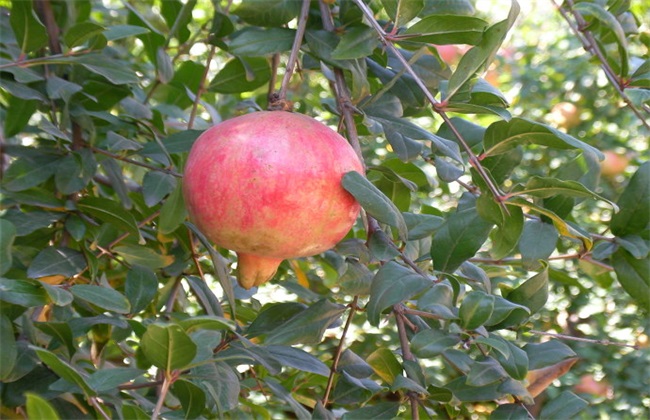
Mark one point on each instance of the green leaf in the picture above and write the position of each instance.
(23, 174)
(503, 309)
(403, 11)
(283, 394)
(110, 211)
(107, 379)
(382, 410)
(354, 365)
(485, 371)
(117, 72)
(58, 295)
(510, 412)
(634, 202)
(39, 408)
(403, 383)
(462, 235)
(134, 412)
(64, 370)
(612, 23)
(117, 143)
(538, 241)
(7, 237)
(549, 187)
(116, 178)
(80, 33)
(22, 293)
(356, 42)
(18, 114)
(298, 359)
(30, 33)
(374, 201)
(469, 393)
(241, 75)
(172, 212)
(503, 136)
(432, 342)
(447, 29)
(545, 354)
(634, 275)
(565, 406)
(207, 322)
(75, 171)
(115, 32)
(475, 309)
(422, 225)
(483, 53)
(533, 293)
(167, 347)
(155, 186)
(52, 261)
(308, 326)
(9, 352)
(357, 279)
(220, 269)
(29, 222)
(191, 396)
(140, 287)
(256, 42)
(385, 364)
(392, 284)
(205, 295)
(267, 12)
(60, 333)
(103, 297)
(141, 255)
(221, 383)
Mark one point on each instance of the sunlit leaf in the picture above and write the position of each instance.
(385, 364)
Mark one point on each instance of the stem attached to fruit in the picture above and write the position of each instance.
(281, 101)
(253, 270)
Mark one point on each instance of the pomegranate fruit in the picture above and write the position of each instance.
(267, 185)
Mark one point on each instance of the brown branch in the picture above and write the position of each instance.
(473, 159)
(398, 311)
(293, 55)
(201, 88)
(586, 37)
(135, 162)
(584, 340)
(339, 351)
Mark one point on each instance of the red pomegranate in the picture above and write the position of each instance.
(268, 186)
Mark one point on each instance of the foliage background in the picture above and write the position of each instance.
(113, 306)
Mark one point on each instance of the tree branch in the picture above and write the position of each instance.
(473, 159)
(591, 45)
(281, 101)
(339, 351)
(135, 162)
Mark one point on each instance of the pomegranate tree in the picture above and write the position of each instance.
(268, 186)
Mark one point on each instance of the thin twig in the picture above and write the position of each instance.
(585, 340)
(398, 311)
(139, 386)
(421, 314)
(98, 407)
(161, 398)
(473, 159)
(590, 44)
(293, 56)
(136, 163)
(201, 88)
(341, 88)
(339, 351)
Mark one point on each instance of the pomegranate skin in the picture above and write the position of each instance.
(268, 186)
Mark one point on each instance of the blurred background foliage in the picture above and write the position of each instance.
(101, 274)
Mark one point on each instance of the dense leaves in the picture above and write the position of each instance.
(490, 218)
